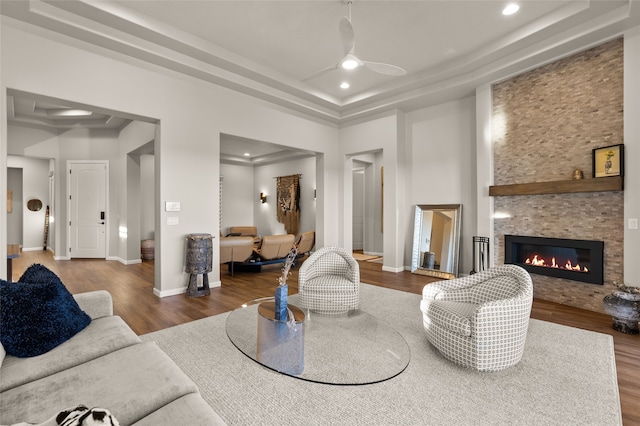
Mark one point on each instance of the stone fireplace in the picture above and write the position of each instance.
(546, 122)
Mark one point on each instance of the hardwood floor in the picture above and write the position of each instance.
(132, 290)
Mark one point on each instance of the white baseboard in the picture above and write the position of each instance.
(124, 262)
(372, 253)
(167, 293)
(390, 269)
(32, 248)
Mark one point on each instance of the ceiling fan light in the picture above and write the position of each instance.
(350, 62)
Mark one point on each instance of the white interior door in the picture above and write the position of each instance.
(88, 190)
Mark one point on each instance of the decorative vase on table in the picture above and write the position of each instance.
(281, 329)
(282, 301)
(282, 291)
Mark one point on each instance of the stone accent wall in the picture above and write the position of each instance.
(545, 124)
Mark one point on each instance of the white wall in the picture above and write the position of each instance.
(385, 134)
(484, 166)
(358, 223)
(147, 196)
(632, 155)
(134, 137)
(15, 218)
(372, 164)
(375, 204)
(238, 196)
(192, 115)
(442, 158)
(87, 144)
(52, 205)
(35, 143)
(30, 142)
(35, 185)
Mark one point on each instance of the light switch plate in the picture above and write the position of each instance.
(633, 223)
(172, 206)
(173, 220)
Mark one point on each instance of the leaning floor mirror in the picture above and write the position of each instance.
(436, 240)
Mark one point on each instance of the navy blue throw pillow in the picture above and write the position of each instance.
(38, 313)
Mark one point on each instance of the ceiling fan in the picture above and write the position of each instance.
(350, 60)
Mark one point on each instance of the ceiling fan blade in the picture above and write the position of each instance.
(319, 73)
(347, 35)
(384, 68)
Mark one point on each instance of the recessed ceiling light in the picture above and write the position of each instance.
(344, 85)
(510, 9)
(246, 154)
(68, 112)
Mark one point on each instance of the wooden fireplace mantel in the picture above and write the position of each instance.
(614, 183)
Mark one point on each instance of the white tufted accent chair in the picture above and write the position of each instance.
(480, 321)
(329, 281)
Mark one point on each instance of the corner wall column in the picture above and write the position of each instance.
(484, 166)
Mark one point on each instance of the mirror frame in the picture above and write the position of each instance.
(417, 230)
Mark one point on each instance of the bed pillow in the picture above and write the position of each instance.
(38, 313)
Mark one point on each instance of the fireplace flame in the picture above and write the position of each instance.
(538, 261)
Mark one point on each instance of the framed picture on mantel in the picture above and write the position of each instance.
(608, 161)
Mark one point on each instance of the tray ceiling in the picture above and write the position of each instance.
(267, 48)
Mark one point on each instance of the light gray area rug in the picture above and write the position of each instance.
(567, 377)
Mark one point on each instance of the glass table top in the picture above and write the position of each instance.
(351, 348)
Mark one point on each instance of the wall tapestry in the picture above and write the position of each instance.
(288, 209)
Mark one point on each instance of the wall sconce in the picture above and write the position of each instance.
(263, 198)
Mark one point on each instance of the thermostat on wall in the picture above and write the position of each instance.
(172, 206)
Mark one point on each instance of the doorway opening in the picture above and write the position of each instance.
(36, 129)
(367, 180)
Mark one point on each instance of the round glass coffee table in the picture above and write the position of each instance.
(350, 348)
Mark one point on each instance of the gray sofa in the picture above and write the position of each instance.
(105, 365)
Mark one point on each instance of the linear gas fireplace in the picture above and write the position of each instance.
(578, 260)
